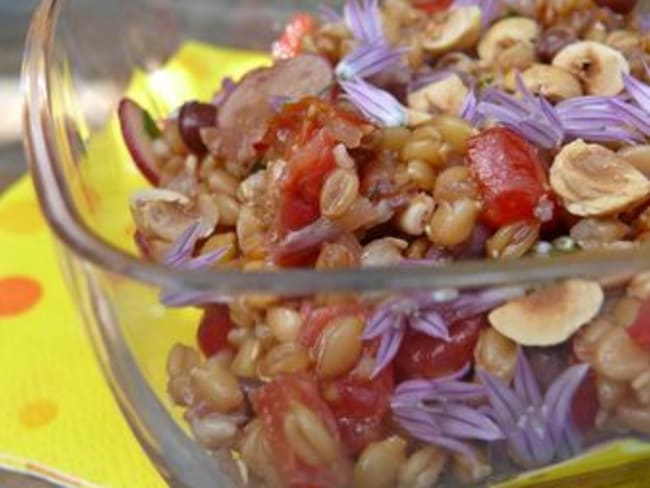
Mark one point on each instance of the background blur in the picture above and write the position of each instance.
(14, 18)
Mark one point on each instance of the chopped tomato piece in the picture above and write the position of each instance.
(212, 335)
(422, 356)
(318, 318)
(300, 190)
(272, 403)
(431, 6)
(509, 174)
(290, 43)
(584, 405)
(360, 403)
(639, 330)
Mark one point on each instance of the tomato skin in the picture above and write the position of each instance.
(422, 356)
(212, 334)
(290, 42)
(509, 174)
(639, 330)
(271, 403)
(431, 6)
(360, 404)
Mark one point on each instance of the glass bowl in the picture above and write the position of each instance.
(81, 57)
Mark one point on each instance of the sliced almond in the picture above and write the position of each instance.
(554, 83)
(459, 30)
(550, 315)
(598, 66)
(505, 34)
(446, 95)
(594, 181)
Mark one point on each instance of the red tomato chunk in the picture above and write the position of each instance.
(273, 403)
(509, 174)
(213, 330)
(640, 328)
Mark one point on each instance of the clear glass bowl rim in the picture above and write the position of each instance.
(59, 210)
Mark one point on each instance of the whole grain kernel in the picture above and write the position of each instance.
(217, 387)
(626, 311)
(214, 431)
(256, 453)
(383, 252)
(228, 209)
(245, 362)
(222, 182)
(285, 358)
(413, 219)
(284, 322)
(454, 183)
(250, 233)
(421, 173)
(340, 190)
(496, 354)
(394, 138)
(618, 357)
(452, 223)
(339, 347)
(223, 240)
(379, 463)
(513, 240)
(308, 437)
(454, 131)
(425, 149)
(639, 286)
(472, 469)
(181, 360)
(423, 468)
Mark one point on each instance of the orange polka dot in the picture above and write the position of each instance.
(18, 294)
(38, 413)
(21, 217)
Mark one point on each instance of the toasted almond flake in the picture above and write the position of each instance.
(593, 180)
(550, 315)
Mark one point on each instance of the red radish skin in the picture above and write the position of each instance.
(136, 125)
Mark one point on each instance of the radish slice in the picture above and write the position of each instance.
(192, 117)
(139, 131)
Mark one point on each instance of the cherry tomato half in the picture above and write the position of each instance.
(422, 356)
(272, 402)
(290, 43)
(212, 334)
(509, 174)
(360, 403)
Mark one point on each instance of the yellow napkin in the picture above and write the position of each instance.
(57, 416)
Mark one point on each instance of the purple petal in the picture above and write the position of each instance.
(506, 407)
(457, 420)
(570, 442)
(489, 9)
(379, 322)
(363, 20)
(638, 90)
(525, 384)
(431, 324)
(184, 298)
(558, 398)
(308, 237)
(634, 116)
(528, 451)
(388, 347)
(278, 101)
(206, 260)
(378, 105)
(182, 249)
(367, 60)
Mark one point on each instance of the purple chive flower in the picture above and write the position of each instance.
(489, 9)
(367, 60)
(435, 411)
(378, 105)
(363, 20)
(430, 313)
(469, 110)
(533, 117)
(537, 427)
(180, 256)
